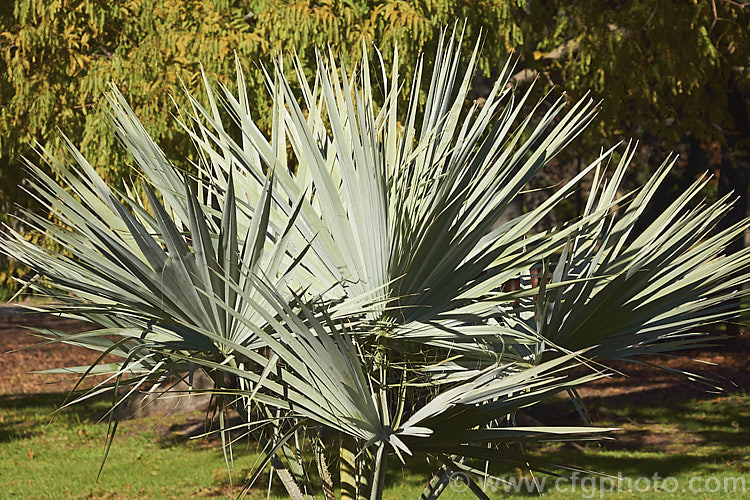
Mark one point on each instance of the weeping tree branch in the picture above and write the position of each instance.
(527, 75)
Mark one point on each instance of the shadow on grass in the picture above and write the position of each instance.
(671, 435)
(23, 416)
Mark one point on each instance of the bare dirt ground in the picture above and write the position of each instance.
(18, 361)
(724, 370)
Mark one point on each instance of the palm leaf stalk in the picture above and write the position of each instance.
(341, 279)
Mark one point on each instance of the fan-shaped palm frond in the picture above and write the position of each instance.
(634, 293)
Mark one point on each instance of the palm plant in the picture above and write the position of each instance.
(342, 280)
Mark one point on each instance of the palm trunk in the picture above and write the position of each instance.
(348, 468)
(381, 457)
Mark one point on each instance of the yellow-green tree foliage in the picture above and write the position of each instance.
(60, 55)
(660, 60)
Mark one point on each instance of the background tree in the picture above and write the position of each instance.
(671, 72)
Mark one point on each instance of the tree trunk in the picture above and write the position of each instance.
(734, 175)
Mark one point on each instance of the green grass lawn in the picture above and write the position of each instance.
(43, 457)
